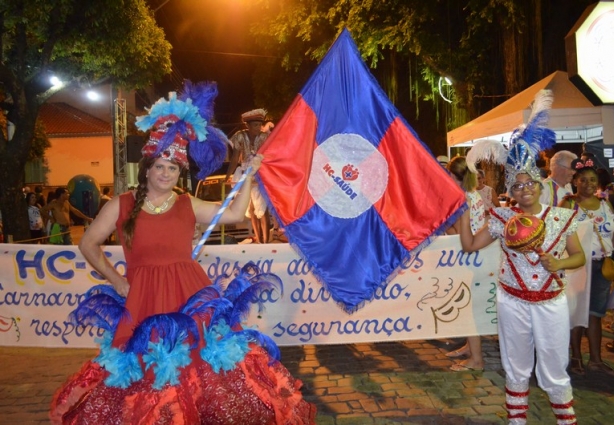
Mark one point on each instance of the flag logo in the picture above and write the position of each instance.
(341, 189)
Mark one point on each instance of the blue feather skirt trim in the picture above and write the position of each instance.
(164, 341)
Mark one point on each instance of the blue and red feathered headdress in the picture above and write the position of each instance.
(526, 142)
(181, 128)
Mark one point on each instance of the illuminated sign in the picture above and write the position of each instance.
(589, 47)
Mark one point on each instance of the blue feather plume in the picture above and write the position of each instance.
(262, 340)
(241, 281)
(211, 310)
(202, 95)
(108, 290)
(243, 303)
(209, 154)
(101, 307)
(535, 133)
(174, 328)
(205, 295)
(184, 111)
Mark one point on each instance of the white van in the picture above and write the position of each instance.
(215, 189)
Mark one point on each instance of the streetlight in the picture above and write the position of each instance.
(444, 82)
(92, 95)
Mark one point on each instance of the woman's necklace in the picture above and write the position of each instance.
(161, 208)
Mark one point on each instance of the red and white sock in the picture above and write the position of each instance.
(564, 413)
(517, 405)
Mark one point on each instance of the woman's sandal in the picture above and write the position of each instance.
(457, 353)
(576, 367)
(599, 367)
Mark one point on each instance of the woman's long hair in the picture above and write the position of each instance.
(458, 167)
(141, 193)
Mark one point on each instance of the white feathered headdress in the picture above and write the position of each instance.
(526, 142)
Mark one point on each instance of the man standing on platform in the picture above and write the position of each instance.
(245, 144)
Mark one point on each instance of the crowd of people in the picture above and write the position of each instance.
(155, 223)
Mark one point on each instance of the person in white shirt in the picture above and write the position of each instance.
(558, 185)
(488, 194)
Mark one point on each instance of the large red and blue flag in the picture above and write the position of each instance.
(350, 182)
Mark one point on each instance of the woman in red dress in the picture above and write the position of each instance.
(174, 351)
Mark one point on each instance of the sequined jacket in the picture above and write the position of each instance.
(522, 275)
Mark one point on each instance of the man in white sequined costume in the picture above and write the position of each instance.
(245, 144)
(531, 303)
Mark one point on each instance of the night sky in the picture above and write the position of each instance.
(211, 41)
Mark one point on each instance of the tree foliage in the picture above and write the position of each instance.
(78, 41)
(490, 49)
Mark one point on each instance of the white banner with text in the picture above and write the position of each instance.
(442, 292)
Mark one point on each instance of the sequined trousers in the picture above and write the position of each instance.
(526, 329)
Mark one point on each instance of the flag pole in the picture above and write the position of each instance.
(216, 218)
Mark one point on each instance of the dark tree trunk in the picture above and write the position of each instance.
(13, 157)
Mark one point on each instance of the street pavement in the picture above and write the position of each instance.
(351, 384)
(406, 382)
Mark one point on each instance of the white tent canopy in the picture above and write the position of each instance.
(573, 116)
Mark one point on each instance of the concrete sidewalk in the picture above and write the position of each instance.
(382, 383)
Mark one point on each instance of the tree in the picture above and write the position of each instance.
(409, 44)
(76, 40)
(490, 49)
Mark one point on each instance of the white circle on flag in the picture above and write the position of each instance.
(348, 175)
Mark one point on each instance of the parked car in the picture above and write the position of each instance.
(215, 188)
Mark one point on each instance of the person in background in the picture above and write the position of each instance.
(443, 160)
(50, 197)
(558, 184)
(245, 144)
(176, 353)
(585, 156)
(488, 194)
(542, 163)
(35, 219)
(605, 186)
(60, 209)
(467, 181)
(104, 198)
(40, 199)
(600, 213)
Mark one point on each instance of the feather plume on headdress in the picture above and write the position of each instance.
(486, 150)
(181, 128)
(526, 142)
